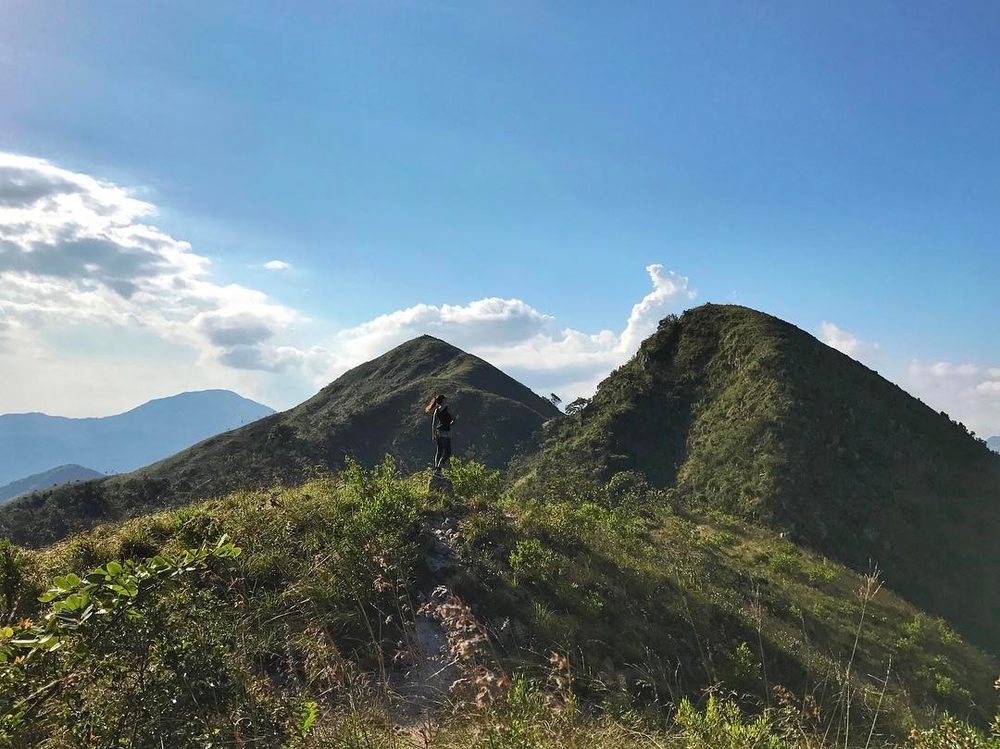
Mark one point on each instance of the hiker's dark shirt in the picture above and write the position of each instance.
(441, 420)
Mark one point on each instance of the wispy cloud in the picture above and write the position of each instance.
(277, 265)
(848, 343)
(967, 392)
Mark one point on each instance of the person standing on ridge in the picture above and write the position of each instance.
(441, 422)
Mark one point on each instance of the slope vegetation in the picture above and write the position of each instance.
(740, 412)
(370, 411)
(601, 605)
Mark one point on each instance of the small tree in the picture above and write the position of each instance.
(11, 574)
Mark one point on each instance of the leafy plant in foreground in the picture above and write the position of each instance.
(111, 664)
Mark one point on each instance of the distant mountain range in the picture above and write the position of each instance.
(374, 410)
(993, 443)
(47, 480)
(33, 443)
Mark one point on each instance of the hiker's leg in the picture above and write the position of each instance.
(439, 455)
(446, 458)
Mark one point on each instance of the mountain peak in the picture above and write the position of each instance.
(744, 413)
(46, 480)
(370, 411)
(30, 444)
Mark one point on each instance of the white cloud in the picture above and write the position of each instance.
(521, 340)
(967, 392)
(491, 321)
(847, 343)
(100, 309)
(75, 249)
(669, 291)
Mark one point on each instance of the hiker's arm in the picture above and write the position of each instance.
(433, 431)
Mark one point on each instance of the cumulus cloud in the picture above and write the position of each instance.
(491, 321)
(97, 305)
(521, 340)
(74, 249)
(847, 343)
(669, 291)
(967, 392)
(20, 187)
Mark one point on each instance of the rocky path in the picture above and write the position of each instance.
(422, 690)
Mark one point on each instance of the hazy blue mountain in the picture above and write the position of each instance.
(994, 443)
(46, 480)
(34, 442)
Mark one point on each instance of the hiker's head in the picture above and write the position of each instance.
(437, 400)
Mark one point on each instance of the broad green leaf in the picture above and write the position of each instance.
(75, 602)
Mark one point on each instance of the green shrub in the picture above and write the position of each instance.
(532, 562)
(475, 481)
(822, 571)
(723, 538)
(951, 733)
(786, 561)
(745, 662)
(12, 563)
(721, 725)
(132, 655)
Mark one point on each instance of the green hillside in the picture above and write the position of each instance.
(363, 612)
(371, 411)
(740, 412)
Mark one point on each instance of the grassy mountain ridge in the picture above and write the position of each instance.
(372, 410)
(326, 602)
(741, 412)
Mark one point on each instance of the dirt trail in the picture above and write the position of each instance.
(422, 691)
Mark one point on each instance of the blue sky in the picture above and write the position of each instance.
(828, 163)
